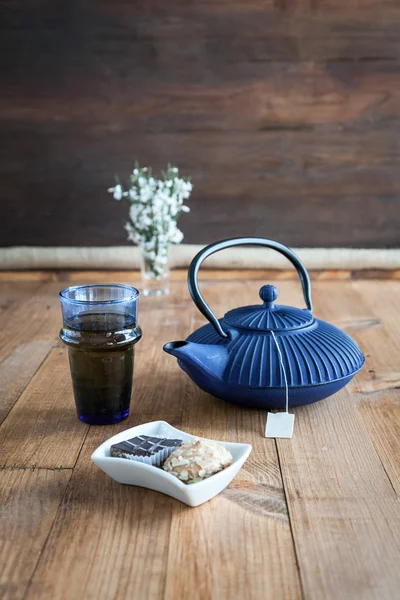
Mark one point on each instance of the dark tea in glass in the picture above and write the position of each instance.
(100, 329)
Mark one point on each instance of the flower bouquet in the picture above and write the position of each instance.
(155, 207)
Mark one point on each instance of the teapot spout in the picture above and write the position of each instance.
(209, 359)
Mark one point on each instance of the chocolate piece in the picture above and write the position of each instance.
(144, 448)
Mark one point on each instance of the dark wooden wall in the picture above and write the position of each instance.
(284, 112)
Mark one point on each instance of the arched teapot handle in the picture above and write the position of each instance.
(193, 282)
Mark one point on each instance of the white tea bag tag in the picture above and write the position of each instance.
(279, 425)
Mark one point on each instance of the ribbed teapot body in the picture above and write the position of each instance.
(314, 355)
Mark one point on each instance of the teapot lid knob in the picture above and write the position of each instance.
(268, 294)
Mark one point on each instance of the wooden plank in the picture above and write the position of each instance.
(24, 277)
(374, 329)
(17, 370)
(343, 509)
(329, 72)
(14, 291)
(371, 318)
(13, 294)
(127, 563)
(369, 313)
(211, 540)
(379, 403)
(29, 502)
(382, 299)
(229, 274)
(76, 277)
(193, 532)
(38, 313)
(382, 419)
(294, 186)
(38, 415)
(109, 540)
(351, 158)
(24, 307)
(246, 96)
(165, 35)
(346, 308)
(204, 541)
(157, 386)
(42, 429)
(133, 277)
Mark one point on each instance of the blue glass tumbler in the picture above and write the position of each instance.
(100, 329)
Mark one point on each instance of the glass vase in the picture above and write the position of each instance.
(155, 270)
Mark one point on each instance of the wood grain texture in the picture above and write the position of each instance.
(111, 540)
(23, 304)
(29, 503)
(373, 327)
(343, 509)
(380, 405)
(341, 514)
(283, 30)
(253, 506)
(382, 419)
(278, 184)
(113, 515)
(285, 113)
(382, 361)
(370, 315)
(313, 517)
(162, 321)
(249, 96)
(17, 370)
(15, 290)
(133, 277)
(42, 429)
(38, 313)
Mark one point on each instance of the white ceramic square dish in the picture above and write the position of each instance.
(140, 474)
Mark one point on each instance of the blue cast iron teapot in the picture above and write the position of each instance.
(236, 358)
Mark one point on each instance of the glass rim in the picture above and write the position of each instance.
(133, 295)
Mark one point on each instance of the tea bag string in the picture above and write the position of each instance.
(283, 371)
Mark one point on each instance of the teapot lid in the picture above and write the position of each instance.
(268, 316)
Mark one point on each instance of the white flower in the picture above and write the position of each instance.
(132, 234)
(116, 191)
(155, 207)
(177, 237)
(150, 244)
(145, 193)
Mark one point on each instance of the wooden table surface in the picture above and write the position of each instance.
(314, 517)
